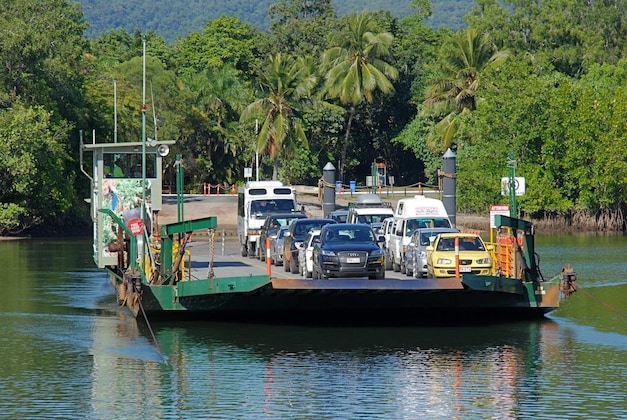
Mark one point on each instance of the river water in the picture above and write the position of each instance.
(67, 351)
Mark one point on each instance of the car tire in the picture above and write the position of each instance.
(388, 262)
(286, 265)
(403, 268)
(396, 266)
(244, 250)
(308, 274)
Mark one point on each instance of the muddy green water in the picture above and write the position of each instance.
(67, 351)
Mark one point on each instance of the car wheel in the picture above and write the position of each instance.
(262, 254)
(409, 270)
(396, 266)
(308, 274)
(286, 265)
(244, 251)
(403, 268)
(388, 262)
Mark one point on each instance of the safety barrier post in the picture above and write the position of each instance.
(268, 257)
(218, 189)
(233, 189)
(456, 257)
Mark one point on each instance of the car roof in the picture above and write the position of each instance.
(315, 219)
(441, 230)
(348, 225)
(284, 215)
(459, 235)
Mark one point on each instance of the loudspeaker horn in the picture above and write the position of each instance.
(163, 150)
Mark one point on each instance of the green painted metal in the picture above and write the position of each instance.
(241, 284)
(528, 242)
(179, 187)
(169, 296)
(133, 238)
(511, 169)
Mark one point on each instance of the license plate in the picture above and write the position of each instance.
(466, 269)
(352, 260)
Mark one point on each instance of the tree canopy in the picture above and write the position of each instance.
(322, 86)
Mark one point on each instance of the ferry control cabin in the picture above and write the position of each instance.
(116, 186)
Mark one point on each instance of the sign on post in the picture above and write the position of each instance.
(502, 209)
(519, 185)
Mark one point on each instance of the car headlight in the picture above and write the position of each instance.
(444, 261)
(327, 253)
(297, 244)
(377, 253)
(483, 261)
(422, 254)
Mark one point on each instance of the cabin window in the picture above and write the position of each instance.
(128, 165)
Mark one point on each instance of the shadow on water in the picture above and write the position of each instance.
(265, 340)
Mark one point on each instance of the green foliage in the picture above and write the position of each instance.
(175, 19)
(286, 86)
(301, 28)
(40, 50)
(566, 35)
(34, 184)
(225, 41)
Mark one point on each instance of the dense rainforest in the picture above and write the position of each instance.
(544, 82)
(173, 19)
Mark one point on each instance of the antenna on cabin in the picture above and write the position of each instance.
(115, 111)
(154, 114)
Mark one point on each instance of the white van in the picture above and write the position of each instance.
(255, 201)
(411, 214)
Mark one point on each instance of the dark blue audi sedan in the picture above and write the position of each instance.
(348, 250)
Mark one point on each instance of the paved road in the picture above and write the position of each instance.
(228, 262)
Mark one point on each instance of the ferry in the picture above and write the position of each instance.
(159, 271)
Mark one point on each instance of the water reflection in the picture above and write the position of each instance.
(357, 372)
(68, 351)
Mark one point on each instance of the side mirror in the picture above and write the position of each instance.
(381, 238)
(430, 248)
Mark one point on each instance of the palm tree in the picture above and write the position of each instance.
(286, 85)
(217, 97)
(357, 69)
(466, 55)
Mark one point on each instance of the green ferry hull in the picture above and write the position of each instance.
(415, 301)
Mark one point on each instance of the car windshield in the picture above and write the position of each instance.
(349, 234)
(421, 223)
(272, 206)
(372, 218)
(465, 244)
(301, 229)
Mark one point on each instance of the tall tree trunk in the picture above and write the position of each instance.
(345, 147)
(275, 169)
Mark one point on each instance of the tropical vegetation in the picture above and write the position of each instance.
(542, 81)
